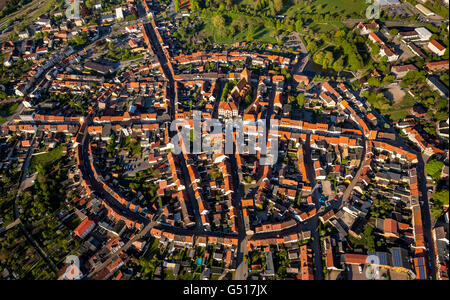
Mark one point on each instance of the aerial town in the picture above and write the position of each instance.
(354, 185)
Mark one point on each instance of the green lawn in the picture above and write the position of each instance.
(262, 33)
(47, 158)
(398, 111)
(337, 8)
(327, 27)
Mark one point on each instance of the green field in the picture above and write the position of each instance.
(344, 8)
(321, 16)
(399, 111)
(46, 159)
(327, 27)
(337, 8)
(261, 33)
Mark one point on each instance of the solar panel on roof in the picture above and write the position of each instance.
(383, 258)
(421, 262)
(397, 259)
(422, 272)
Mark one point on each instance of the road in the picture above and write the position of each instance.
(15, 115)
(395, 23)
(25, 166)
(436, 20)
(302, 61)
(16, 210)
(313, 223)
(424, 201)
(426, 215)
(355, 179)
(164, 64)
(10, 226)
(241, 272)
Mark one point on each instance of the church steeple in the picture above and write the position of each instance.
(246, 74)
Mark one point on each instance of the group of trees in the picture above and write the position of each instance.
(18, 256)
(111, 147)
(377, 82)
(132, 146)
(436, 106)
(273, 6)
(440, 198)
(338, 51)
(118, 54)
(39, 204)
(8, 179)
(381, 209)
(7, 109)
(8, 75)
(367, 239)
(227, 89)
(12, 6)
(378, 100)
(81, 39)
(246, 102)
(298, 101)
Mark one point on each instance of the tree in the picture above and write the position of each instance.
(299, 25)
(393, 32)
(195, 5)
(278, 5)
(338, 65)
(373, 81)
(388, 79)
(249, 37)
(81, 39)
(375, 50)
(89, 4)
(328, 60)
(111, 46)
(367, 239)
(440, 199)
(300, 100)
(354, 62)
(219, 22)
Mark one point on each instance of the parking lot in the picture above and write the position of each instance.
(400, 11)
